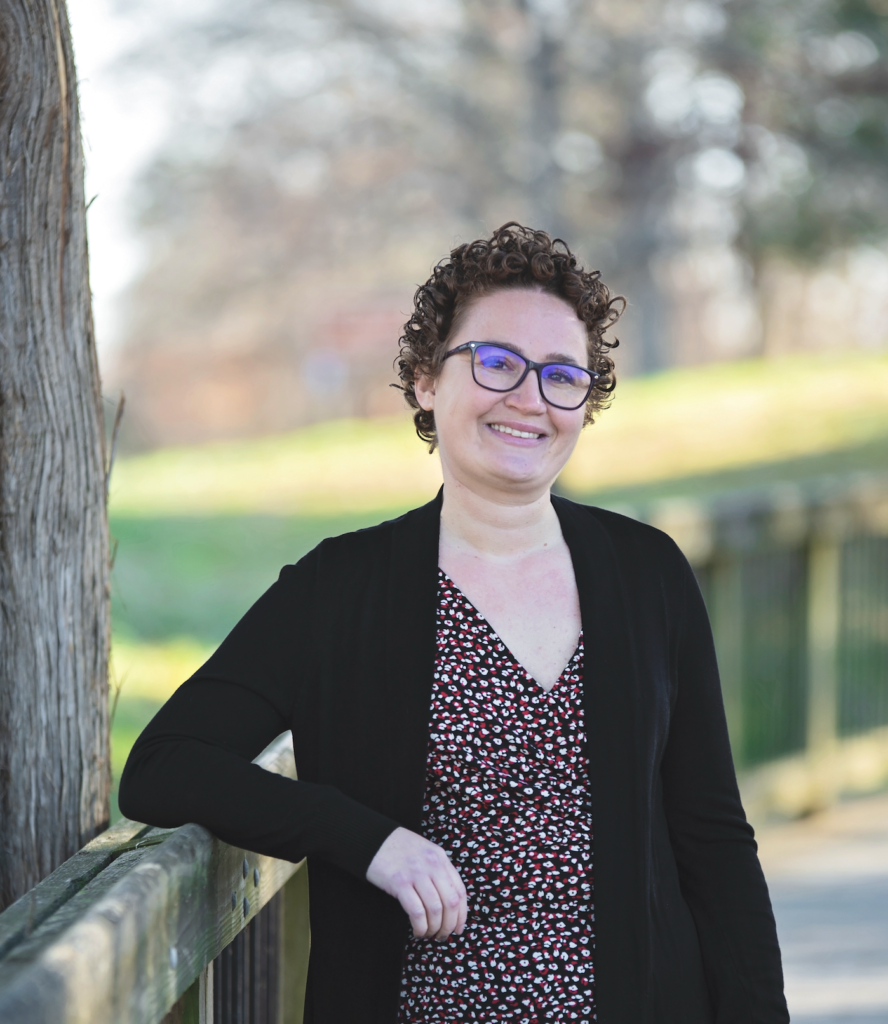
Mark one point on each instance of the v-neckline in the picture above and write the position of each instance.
(443, 575)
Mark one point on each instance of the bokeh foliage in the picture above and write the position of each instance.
(325, 151)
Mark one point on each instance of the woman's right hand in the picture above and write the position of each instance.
(420, 876)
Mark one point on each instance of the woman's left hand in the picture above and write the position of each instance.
(420, 876)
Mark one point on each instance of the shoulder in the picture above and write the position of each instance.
(647, 562)
(368, 550)
(636, 558)
(626, 536)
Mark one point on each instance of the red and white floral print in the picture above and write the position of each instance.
(507, 797)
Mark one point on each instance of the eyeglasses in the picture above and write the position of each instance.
(564, 385)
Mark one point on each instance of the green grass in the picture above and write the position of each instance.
(194, 576)
(707, 420)
(131, 716)
(806, 472)
(343, 467)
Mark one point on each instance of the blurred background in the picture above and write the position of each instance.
(272, 179)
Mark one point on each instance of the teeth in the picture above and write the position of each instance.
(514, 433)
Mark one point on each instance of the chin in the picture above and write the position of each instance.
(519, 476)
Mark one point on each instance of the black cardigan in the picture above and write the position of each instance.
(341, 650)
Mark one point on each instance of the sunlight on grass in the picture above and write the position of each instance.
(142, 677)
(732, 414)
(681, 422)
(341, 466)
(154, 671)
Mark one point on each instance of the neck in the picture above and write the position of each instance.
(499, 529)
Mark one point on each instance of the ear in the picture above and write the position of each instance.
(424, 389)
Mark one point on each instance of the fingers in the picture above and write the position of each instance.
(446, 904)
(450, 910)
(437, 907)
(415, 909)
(452, 893)
(463, 910)
(428, 892)
(420, 876)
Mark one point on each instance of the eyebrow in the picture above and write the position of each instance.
(552, 357)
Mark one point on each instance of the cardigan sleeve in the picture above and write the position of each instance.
(714, 845)
(193, 762)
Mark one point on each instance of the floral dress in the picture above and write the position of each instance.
(507, 797)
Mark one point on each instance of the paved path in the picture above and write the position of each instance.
(829, 884)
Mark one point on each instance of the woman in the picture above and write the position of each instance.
(474, 689)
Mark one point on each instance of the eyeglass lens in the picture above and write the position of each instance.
(562, 384)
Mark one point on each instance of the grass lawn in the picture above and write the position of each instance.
(803, 472)
(729, 416)
(194, 576)
(343, 467)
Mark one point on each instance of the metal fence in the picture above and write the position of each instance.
(768, 715)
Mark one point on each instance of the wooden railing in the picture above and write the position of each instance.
(796, 581)
(147, 925)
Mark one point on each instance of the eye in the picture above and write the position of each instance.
(498, 359)
(493, 362)
(567, 375)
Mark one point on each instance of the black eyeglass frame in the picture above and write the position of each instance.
(473, 346)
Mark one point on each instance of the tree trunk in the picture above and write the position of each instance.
(54, 566)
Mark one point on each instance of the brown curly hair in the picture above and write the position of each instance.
(513, 257)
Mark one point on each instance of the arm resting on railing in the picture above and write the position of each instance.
(193, 761)
(181, 771)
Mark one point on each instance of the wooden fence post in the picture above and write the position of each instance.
(727, 627)
(295, 943)
(205, 1000)
(824, 618)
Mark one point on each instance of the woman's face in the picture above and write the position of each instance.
(478, 429)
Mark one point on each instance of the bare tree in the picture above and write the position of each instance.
(685, 149)
(54, 567)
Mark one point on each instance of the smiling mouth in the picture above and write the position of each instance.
(515, 433)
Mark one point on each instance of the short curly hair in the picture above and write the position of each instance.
(513, 257)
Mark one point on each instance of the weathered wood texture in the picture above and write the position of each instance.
(247, 973)
(124, 948)
(20, 920)
(54, 614)
(295, 948)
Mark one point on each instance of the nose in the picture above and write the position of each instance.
(526, 397)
